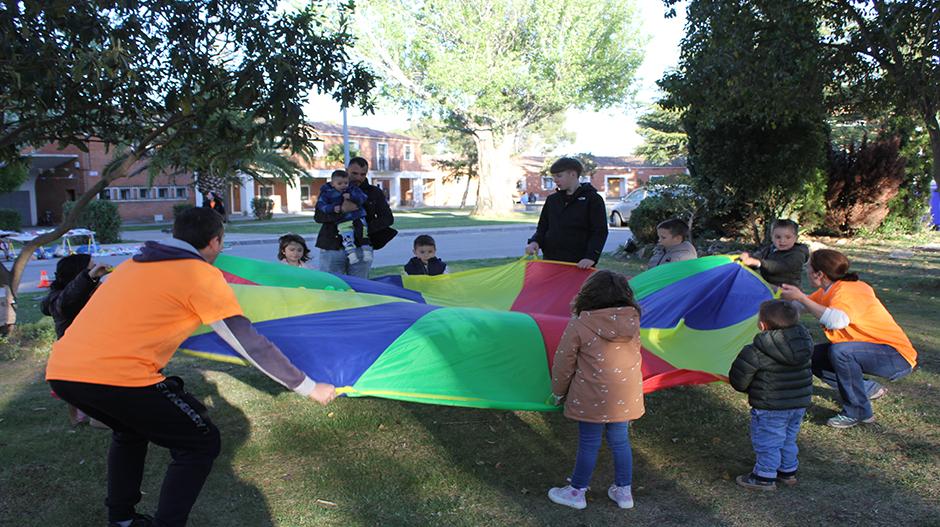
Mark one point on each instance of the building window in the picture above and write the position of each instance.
(163, 193)
(548, 183)
(144, 193)
(409, 153)
(105, 194)
(305, 193)
(266, 191)
(584, 179)
(125, 194)
(182, 193)
(381, 156)
(354, 146)
(321, 149)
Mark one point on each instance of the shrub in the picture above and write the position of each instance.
(180, 208)
(262, 208)
(100, 216)
(10, 220)
(668, 201)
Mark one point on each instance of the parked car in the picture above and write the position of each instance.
(620, 213)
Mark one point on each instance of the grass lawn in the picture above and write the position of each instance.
(366, 462)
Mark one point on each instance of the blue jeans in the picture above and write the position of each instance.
(336, 262)
(590, 436)
(773, 436)
(843, 365)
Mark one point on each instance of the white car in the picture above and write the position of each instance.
(620, 213)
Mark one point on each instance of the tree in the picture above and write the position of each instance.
(862, 179)
(887, 53)
(664, 138)
(150, 76)
(750, 89)
(458, 151)
(498, 69)
(336, 156)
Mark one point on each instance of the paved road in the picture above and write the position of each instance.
(454, 243)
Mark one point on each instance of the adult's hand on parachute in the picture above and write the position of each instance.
(323, 393)
(791, 292)
(532, 248)
(585, 263)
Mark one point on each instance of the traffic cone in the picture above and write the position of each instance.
(44, 280)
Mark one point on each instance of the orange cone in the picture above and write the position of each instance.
(44, 280)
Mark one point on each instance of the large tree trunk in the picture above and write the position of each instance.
(495, 184)
(466, 192)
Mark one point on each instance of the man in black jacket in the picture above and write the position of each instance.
(379, 220)
(573, 223)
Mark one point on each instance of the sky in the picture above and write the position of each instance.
(605, 133)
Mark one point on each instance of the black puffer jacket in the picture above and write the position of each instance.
(776, 370)
(64, 304)
(434, 267)
(572, 227)
(783, 267)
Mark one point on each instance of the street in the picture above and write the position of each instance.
(454, 243)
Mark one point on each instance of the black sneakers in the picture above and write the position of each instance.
(750, 481)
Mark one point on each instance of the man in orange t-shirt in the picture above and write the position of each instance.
(863, 336)
(109, 365)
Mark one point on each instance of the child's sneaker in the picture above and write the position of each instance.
(786, 478)
(750, 481)
(367, 253)
(621, 495)
(568, 496)
(352, 257)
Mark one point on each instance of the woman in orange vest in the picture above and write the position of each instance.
(863, 336)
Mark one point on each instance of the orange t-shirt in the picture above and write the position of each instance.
(869, 320)
(137, 319)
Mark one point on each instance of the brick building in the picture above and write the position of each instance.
(614, 177)
(60, 175)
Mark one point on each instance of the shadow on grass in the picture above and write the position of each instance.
(54, 474)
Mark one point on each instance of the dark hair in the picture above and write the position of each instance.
(778, 314)
(338, 174)
(424, 241)
(676, 227)
(566, 163)
(361, 161)
(783, 223)
(604, 289)
(197, 226)
(68, 268)
(833, 264)
(288, 239)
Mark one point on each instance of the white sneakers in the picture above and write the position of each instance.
(568, 496)
(622, 496)
(574, 498)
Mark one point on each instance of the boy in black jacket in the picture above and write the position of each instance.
(782, 261)
(425, 260)
(776, 372)
(573, 223)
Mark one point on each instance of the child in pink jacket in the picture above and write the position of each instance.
(597, 372)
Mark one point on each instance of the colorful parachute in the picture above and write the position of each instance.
(482, 338)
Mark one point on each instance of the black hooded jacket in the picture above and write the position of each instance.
(572, 227)
(64, 304)
(776, 370)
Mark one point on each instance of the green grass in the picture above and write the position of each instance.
(392, 463)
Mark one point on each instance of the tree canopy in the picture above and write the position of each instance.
(157, 74)
(498, 69)
(664, 138)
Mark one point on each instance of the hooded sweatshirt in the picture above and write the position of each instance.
(572, 227)
(776, 370)
(597, 366)
(137, 319)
